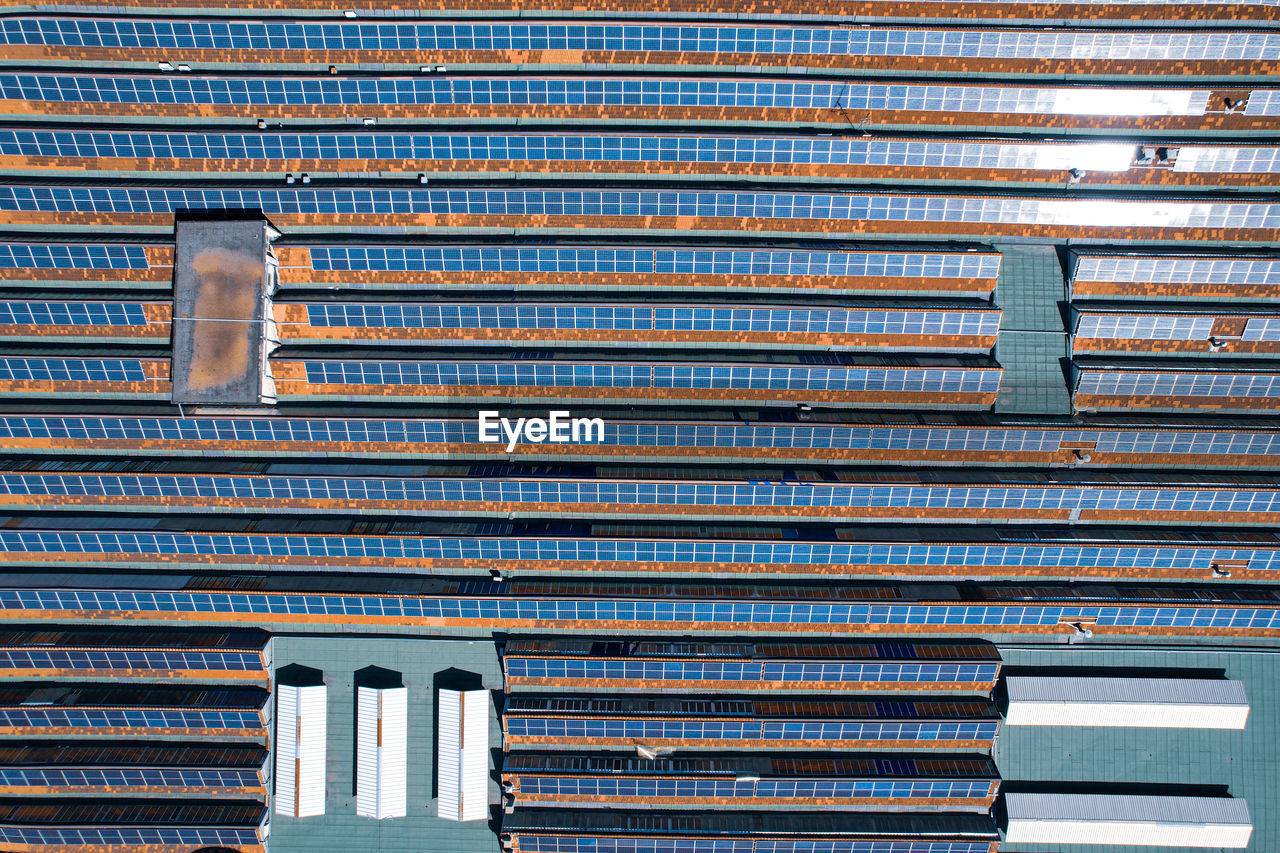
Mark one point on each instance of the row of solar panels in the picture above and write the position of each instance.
(1226, 502)
(131, 824)
(828, 215)
(994, 444)
(104, 653)
(396, 155)
(96, 653)
(457, 42)
(971, 107)
(534, 555)
(573, 324)
(969, 10)
(534, 830)
(104, 766)
(131, 323)
(137, 792)
(1044, 609)
(746, 695)
(1098, 388)
(103, 747)
(658, 269)
(657, 666)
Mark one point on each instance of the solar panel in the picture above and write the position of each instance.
(103, 753)
(588, 843)
(483, 36)
(603, 791)
(107, 719)
(606, 612)
(695, 672)
(426, 551)
(667, 261)
(652, 375)
(79, 257)
(649, 319)
(1205, 385)
(620, 149)
(126, 813)
(133, 659)
(528, 763)
(134, 637)
(556, 204)
(919, 501)
(631, 91)
(129, 777)
(130, 837)
(756, 650)
(381, 436)
(72, 370)
(140, 695)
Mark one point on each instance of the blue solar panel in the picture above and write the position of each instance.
(129, 659)
(1177, 269)
(746, 671)
(583, 612)
(152, 777)
(632, 844)
(652, 375)
(642, 203)
(660, 261)
(655, 319)
(977, 44)
(209, 489)
(646, 789)
(72, 314)
(641, 551)
(745, 730)
(108, 718)
(1169, 383)
(72, 370)
(708, 93)
(1161, 441)
(618, 149)
(634, 492)
(45, 257)
(135, 837)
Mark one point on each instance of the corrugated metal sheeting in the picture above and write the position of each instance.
(1130, 702)
(1220, 822)
(462, 754)
(381, 747)
(301, 732)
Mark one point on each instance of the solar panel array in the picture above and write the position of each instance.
(626, 152)
(228, 36)
(1146, 447)
(802, 212)
(959, 98)
(104, 737)
(821, 317)
(1200, 348)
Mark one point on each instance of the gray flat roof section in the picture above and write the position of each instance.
(1110, 807)
(1178, 691)
(420, 661)
(1159, 761)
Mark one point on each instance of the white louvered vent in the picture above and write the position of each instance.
(301, 742)
(381, 746)
(463, 754)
